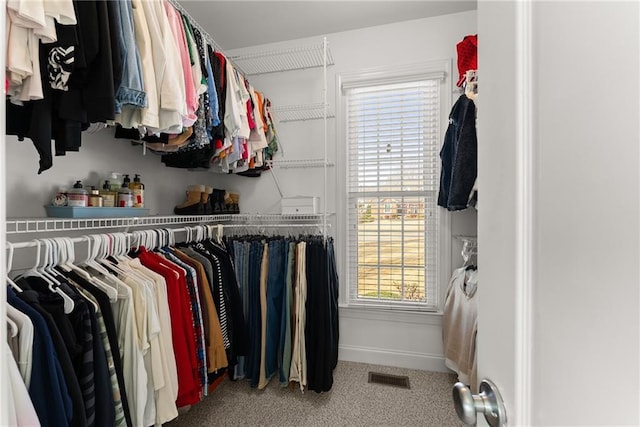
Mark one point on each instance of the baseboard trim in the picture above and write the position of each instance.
(401, 359)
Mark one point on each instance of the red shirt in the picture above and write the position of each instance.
(182, 329)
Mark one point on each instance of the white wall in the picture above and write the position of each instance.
(28, 192)
(401, 339)
(391, 338)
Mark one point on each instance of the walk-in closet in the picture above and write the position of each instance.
(345, 213)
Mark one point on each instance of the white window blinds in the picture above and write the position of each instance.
(393, 177)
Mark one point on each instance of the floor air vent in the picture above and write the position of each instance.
(388, 379)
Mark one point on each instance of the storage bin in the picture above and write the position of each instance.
(300, 205)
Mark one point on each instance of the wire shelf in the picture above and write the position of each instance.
(301, 163)
(296, 58)
(51, 225)
(293, 113)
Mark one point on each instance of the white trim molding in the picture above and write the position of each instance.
(525, 214)
(401, 359)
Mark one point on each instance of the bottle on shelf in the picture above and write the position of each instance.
(77, 196)
(125, 198)
(109, 197)
(95, 199)
(126, 181)
(114, 181)
(137, 188)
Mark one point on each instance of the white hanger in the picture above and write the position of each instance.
(9, 262)
(92, 262)
(154, 239)
(34, 272)
(47, 268)
(111, 248)
(93, 254)
(220, 233)
(47, 257)
(68, 264)
(65, 244)
(53, 258)
(14, 328)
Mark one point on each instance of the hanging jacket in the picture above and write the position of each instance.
(459, 156)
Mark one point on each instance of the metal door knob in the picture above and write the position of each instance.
(487, 402)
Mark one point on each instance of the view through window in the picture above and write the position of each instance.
(392, 132)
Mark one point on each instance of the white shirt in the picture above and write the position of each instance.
(169, 75)
(460, 324)
(166, 396)
(133, 369)
(21, 410)
(235, 113)
(165, 390)
(25, 342)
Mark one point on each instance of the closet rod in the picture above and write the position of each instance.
(206, 34)
(34, 243)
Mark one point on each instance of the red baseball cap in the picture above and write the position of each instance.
(467, 56)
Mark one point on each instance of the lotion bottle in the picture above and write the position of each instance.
(137, 188)
(109, 197)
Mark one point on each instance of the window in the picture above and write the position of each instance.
(393, 142)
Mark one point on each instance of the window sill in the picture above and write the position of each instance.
(390, 314)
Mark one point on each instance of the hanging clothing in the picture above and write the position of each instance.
(114, 344)
(459, 155)
(126, 341)
(460, 325)
(298, 372)
(23, 355)
(20, 406)
(49, 390)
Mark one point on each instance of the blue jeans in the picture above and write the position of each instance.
(285, 322)
(275, 291)
(131, 90)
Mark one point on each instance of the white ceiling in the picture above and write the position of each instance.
(239, 23)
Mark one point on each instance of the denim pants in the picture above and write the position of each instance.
(275, 291)
(285, 322)
(254, 321)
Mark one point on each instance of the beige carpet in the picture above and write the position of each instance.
(351, 402)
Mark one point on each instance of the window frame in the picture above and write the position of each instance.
(438, 69)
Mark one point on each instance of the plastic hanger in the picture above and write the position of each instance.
(9, 263)
(13, 328)
(106, 282)
(54, 259)
(47, 267)
(65, 262)
(34, 272)
(47, 257)
(69, 304)
(68, 264)
(95, 255)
